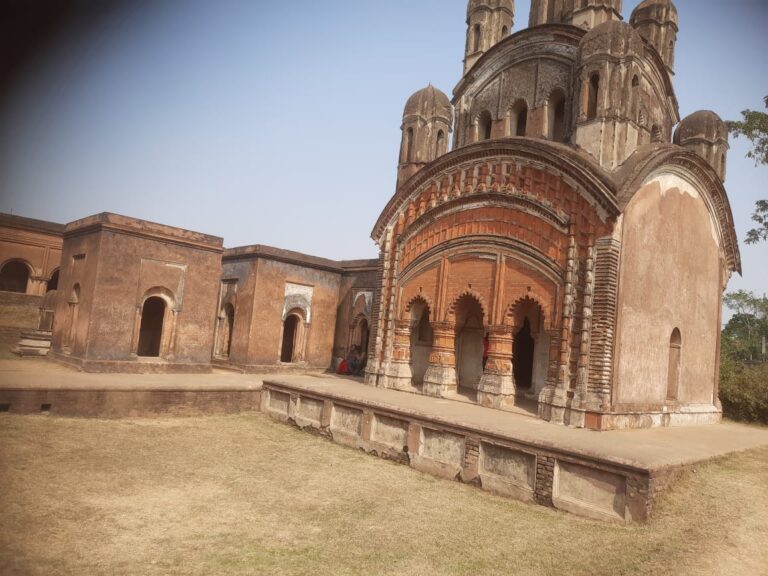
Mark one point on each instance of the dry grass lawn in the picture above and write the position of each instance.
(245, 495)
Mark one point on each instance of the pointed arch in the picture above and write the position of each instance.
(528, 299)
(418, 298)
(451, 314)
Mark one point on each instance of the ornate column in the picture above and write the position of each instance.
(497, 385)
(399, 374)
(440, 378)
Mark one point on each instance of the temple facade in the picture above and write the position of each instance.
(571, 249)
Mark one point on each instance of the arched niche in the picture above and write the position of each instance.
(469, 318)
(14, 276)
(293, 339)
(226, 321)
(155, 324)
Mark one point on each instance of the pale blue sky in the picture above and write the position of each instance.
(278, 123)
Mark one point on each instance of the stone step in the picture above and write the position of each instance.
(33, 343)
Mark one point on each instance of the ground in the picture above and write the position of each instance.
(245, 495)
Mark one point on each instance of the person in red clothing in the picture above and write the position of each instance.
(485, 350)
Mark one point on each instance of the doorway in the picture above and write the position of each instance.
(151, 327)
(522, 354)
(469, 343)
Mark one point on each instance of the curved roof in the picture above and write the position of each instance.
(492, 4)
(704, 124)
(583, 171)
(428, 102)
(652, 157)
(663, 11)
(612, 37)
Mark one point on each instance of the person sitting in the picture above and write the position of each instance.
(353, 361)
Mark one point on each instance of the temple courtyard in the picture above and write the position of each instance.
(139, 490)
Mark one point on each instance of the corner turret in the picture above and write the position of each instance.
(488, 23)
(427, 122)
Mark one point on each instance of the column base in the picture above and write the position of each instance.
(496, 391)
(440, 381)
(399, 376)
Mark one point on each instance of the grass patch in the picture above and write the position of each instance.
(244, 495)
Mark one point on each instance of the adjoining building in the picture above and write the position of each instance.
(569, 249)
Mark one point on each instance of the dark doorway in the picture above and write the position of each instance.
(226, 327)
(289, 338)
(14, 277)
(522, 356)
(151, 330)
(53, 283)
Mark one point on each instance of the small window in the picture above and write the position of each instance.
(656, 135)
(556, 116)
(675, 358)
(484, 126)
(409, 145)
(517, 118)
(440, 143)
(594, 92)
(53, 283)
(504, 31)
(476, 34)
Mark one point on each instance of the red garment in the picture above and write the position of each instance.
(343, 367)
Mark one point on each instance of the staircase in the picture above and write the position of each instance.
(33, 343)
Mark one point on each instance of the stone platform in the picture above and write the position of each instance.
(604, 475)
(33, 386)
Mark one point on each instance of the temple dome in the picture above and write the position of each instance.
(701, 125)
(428, 103)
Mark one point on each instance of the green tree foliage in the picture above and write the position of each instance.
(761, 217)
(743, 377)
(754, 127)
(743, 335)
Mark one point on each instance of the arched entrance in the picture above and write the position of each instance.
(53, 282)
(72, 317)
(530, 347)
(469, 342)
(422, 339)
(226, 326)
(151, 327)
(360, 334)
(522, 352)
(14, 276)
(291, 350)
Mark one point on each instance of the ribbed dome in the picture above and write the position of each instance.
(492, 4)
(701, 125)
(661, 11)
(612, 37)
(428, 103)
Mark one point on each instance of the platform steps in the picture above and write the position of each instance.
(33, 343)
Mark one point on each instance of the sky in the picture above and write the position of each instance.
(278, 123)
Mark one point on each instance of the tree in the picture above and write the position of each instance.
(754, 127)
(743, 335)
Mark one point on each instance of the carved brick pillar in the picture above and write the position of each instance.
(440, 378)
(497, 385)
(399, 373)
